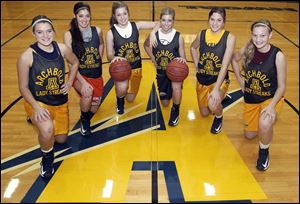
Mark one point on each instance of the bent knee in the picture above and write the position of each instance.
(61, 138)
(204, 112)
(250, 135)
(265, 124)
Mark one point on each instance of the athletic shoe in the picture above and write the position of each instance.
(174, 117)
(85, 128)
(46, 169)
(263, 160)
(217, 125)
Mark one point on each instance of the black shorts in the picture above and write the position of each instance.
(164, 87)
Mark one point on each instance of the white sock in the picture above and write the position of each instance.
(46, 151)
(263, 146)
(219, 116)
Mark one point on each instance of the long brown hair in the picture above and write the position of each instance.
(77, 41)
(115, 6)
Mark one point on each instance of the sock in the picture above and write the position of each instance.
(263, 146)
(85, 114)
(47, 151)
(219, 116)
(90, 114)
(176, 107)
(120, 100)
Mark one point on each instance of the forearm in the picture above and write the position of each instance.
(80, 78)
(278, 95)
(149, 51)
(194, 55)
(110, 57)
(237, 72)
(155, 28)
(221, 77)
(101, 50)
(73, 72)
(28, 97)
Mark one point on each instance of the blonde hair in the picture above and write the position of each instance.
(168, 11)
(250, 47)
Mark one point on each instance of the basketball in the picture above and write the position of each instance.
(120, 70)
(177, 71)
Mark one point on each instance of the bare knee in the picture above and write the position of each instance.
(265, 125)
(204, 112)
(47, 131)
(165, 103)
(250, 134)
(130, 97)
(86, 98)
(61, 138)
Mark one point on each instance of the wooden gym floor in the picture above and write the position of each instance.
(137, 157)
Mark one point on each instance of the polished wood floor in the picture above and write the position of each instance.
(279, 184)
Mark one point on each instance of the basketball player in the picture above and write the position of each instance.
(122, 43)
(216, 47)
(87, 43)
(42, 83)
(264, 85)
(170, 47)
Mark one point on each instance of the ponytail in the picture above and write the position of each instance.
(249, 52)
(77, 41)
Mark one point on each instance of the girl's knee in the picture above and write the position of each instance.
(250, 135)
(61, 138)
(265, 124)
(204, 112)
(46, 130)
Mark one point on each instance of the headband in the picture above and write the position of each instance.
(81, 8)
(42, 19)
(262, 24)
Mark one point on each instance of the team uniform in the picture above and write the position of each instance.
(260, 86)
(212, 49)
(90, 66)
(46, 76)
(128, 47)
(164, 53)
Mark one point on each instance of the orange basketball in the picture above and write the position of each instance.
(177, 71)
(120, 70)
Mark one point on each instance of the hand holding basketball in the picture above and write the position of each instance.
(120, 70)
(177, 70)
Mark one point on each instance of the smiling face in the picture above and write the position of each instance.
(260, 37)
(44, 33)
(166, 23)
(216, 22)
(83, 18)
(121, 15)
